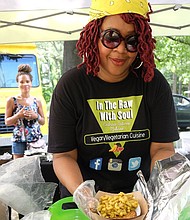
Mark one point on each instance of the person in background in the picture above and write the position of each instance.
(24, 112)
(113, 115)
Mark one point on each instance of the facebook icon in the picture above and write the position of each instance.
(96, 164)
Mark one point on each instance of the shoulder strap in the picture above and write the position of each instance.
(35, 101)
(15, 101)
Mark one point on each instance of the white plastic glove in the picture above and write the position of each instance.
(84, 197)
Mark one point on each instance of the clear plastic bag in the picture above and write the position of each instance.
(22, 186)
(41, 215)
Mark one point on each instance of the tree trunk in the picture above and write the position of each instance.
(174, 89)
(70, 57)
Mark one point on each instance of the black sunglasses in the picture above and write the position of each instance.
(112, 38)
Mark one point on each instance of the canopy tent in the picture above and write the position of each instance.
(45, 20)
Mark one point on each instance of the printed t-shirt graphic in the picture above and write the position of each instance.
(116, 117)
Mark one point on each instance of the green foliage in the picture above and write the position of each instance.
(172, 57)
(50, 55)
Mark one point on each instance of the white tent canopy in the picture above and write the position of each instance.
(45, 20)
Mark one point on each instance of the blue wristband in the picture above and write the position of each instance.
(38, 118)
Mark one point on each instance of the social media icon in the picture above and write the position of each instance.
(114, 164)
(96, 163)
(134, 163)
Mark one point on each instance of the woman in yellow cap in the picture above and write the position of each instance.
(114, 114)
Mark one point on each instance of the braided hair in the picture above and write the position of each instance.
(87, 45)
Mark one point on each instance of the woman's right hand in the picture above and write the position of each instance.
(84, 198)
(22, 113)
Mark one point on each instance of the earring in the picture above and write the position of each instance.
(136, 68)
(138, 63)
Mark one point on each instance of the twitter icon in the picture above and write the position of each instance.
(134, 163)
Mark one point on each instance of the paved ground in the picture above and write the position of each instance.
(184, 143)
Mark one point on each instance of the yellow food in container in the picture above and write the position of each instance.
(120, 206)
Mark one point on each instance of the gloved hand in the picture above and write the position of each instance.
(84, 197)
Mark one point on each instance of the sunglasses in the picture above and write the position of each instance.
(111, 39)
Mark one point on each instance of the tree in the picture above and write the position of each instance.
(55, 59)
(51, 65)
(172, 58)
(71, 58)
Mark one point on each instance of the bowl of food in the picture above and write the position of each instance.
(120, 206)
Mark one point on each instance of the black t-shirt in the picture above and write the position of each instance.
(111, 125)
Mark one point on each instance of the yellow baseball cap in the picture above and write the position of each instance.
(101, 8)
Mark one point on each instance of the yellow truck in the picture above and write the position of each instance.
(12, 55)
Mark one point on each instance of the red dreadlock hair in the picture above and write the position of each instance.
(87, 45)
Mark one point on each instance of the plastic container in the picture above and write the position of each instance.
(58, 213)
(185, 213)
